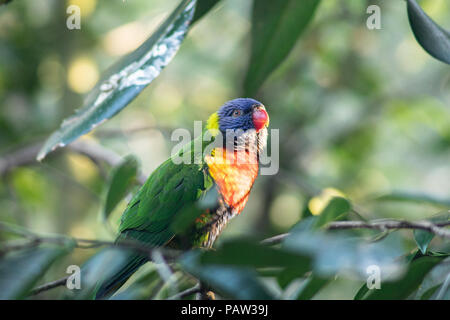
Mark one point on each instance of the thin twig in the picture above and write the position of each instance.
(435, 228)
(164, 271)
(156, 253)
(185, 293)
(275, 239)
(444, 288)
(94, 151)
(113, 132)
(48, 286)
(35, 240)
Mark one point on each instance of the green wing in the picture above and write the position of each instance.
(169, 189)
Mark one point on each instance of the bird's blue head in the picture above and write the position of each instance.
(245, 118)
(242, 113)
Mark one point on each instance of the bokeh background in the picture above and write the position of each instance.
(361, 113)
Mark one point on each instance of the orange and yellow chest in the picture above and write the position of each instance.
(234, 172)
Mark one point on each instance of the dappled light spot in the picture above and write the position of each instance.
(285, 210)
(318, 203)
(87, 7)
(82, 75)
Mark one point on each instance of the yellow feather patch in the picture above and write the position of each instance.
(213, 124)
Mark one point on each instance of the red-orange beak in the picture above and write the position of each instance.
(260, 118)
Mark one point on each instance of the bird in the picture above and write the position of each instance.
(227, 170)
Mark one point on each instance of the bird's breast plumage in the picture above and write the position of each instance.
(234, 173)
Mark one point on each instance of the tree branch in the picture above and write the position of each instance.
(185, 293)
(113, 132)
(48, 286)
(164, 271)
(35, 240)
(435, 228)
(275, 239)
(27, 156)
(203, 292)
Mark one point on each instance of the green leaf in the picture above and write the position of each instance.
(21, 270)
(434, 292)
(362, 292)
(433, 281)
(122, 180)
(339, 251)
(202, 7)
(251, 254)
(289, 274)
(434, 39)
(245, 253)
(276, 26)
(143, 288)
(443, 291)
(126, 79)
(229, 281)
(335, 210)
(414, 197)
(423, 238)
(103, 265)
(407, 284)
(311, 287)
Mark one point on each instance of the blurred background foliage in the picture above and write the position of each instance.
(362, 113)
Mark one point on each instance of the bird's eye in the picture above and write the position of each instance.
(236, 113)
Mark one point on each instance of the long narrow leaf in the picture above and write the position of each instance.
(312, 286)
(405, 286)
(230, 281)
(122, 179)
(124, 81)
(434, 39)
(276, 26)
(202, 7)
(21, 270)
(423, 238)
(414, 197)
(335, 210)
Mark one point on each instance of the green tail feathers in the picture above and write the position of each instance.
(105, 272)
(111, 284)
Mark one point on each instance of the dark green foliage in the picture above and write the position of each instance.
(312, 286)
(414, 197)
(276, 26)
(335, 210)
(21, 270)
(343, 123)
(342, 251)
(126, 79)
(434, 39)
(435, 285)
(423, 237)
(232, 282)
(251, 254)
(202, 7)
(122, 179)
(407, 284)
(104, 265)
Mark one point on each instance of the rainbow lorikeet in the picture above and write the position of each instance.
(231, 168)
